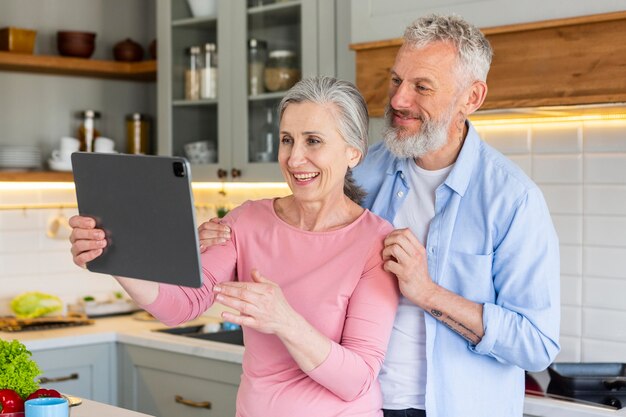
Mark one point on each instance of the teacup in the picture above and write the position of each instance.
(104, 145)
(67, 147)
(47, 407)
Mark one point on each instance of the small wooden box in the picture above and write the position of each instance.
(17, 40)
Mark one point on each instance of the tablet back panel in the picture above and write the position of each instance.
(145, 206)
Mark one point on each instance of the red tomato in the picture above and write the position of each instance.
(42, 392)
(10, 401)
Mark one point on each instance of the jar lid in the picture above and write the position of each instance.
(282, 53)
(193, 50)
(256, 43)
(210, 47)
(136, 116)
(92, 114)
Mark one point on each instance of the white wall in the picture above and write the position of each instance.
(374, 20)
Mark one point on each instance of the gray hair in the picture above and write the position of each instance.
(473, 49)
(350, 111)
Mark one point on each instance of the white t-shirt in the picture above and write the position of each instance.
(403, 375)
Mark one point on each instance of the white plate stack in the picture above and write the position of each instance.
(19, 157)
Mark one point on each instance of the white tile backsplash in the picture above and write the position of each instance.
(604, 168)
(571, 290)
(605, 199)
(571, 321)
(571, 259)
(608, 262)
(557, 139)
(563, 199)
(557, 169)
(508, 140)
(605, 136)
(569, 228)
(604, 324)
(604, 293)
(570, 349)
(605, 231)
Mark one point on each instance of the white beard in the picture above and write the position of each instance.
(432, 136)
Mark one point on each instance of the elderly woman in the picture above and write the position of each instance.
(305, 271)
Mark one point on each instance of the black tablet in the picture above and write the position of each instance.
(145, 206)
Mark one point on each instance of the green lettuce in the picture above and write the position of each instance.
(17, 370)
(35, 304)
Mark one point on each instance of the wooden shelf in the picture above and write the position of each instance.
(47, 64)
(36, 176)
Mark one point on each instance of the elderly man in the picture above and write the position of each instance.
(474, 250)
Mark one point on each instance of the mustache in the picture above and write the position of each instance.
(389, 111)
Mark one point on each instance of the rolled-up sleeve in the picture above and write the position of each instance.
(522, 325)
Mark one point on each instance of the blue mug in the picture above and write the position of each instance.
(47, 407)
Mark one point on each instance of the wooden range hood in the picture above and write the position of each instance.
(560, 62)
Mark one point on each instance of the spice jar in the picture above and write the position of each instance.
(193, 74)
(281, 70)
(209, 73)
(137, 134)
(87, 132)
(257, 50)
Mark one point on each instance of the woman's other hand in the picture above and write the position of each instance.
(212, 233)
(261, 304)
(87, 242)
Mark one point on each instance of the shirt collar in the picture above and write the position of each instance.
(460, 175)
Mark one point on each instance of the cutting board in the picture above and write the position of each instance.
(13, 324)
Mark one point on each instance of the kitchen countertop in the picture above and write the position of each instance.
(129, 330)
(90, 408)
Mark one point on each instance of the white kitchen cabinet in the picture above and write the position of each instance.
(232, 123)
(166, 384)
(86, 371)
(375, 20)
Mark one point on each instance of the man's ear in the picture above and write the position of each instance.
(476, 94)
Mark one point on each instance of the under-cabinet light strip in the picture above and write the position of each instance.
(548, 119)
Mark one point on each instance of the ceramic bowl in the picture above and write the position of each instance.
(76, 44)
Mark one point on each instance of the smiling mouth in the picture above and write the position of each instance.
(306, 177)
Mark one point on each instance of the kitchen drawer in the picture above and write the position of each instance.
(83, 371)
(151, 380)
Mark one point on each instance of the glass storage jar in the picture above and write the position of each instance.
(281, 70)
(257, 50)
(137, 134)
(193, 74)
(209, 72)
(87, 131)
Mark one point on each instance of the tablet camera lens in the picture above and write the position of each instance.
(179, 169)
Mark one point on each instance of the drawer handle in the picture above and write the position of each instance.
(44, 380)
(198, 404)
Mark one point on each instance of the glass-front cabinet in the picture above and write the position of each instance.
(222, 71)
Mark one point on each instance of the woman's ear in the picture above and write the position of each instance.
(354, 156)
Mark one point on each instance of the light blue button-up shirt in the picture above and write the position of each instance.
(491, 241)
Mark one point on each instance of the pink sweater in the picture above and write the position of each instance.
(334, 280)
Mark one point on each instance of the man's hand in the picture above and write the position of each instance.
(406, 257)
(212, 233)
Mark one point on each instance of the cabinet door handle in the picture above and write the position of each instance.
(45, 380)
(198, 404)
(235, 173)
(222, 173)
